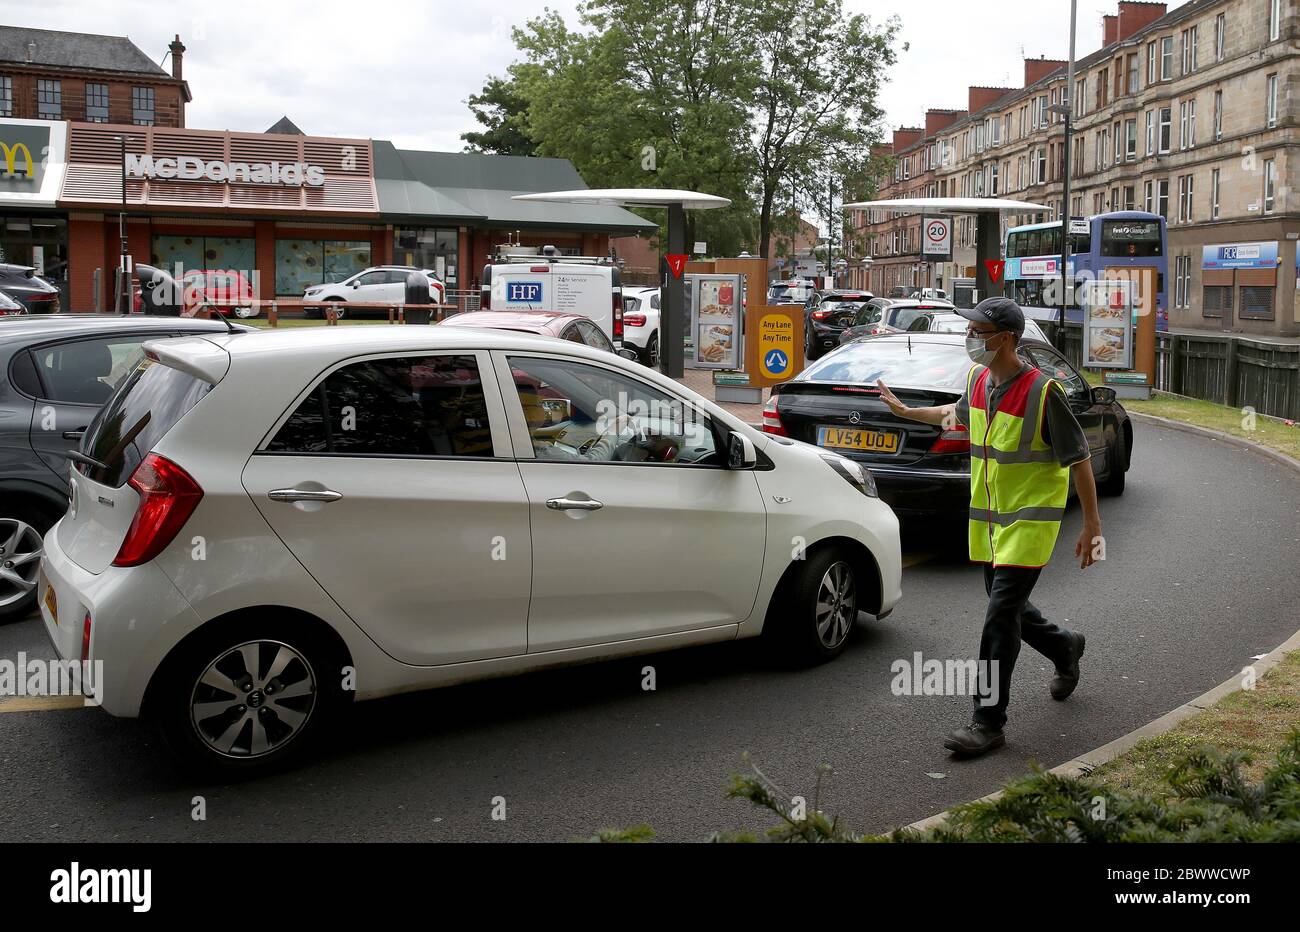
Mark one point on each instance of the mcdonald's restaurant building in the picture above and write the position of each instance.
(286, 209)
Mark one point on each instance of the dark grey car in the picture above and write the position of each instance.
(56, 370)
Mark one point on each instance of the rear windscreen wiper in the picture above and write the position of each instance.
(78, 457)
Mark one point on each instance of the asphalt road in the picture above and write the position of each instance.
(1199, 577)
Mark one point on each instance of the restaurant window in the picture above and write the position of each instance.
(177, 255)
(6, 96)
(142, 106)
(49, 100)
(300, 263)
(96, 103)
(428, 248)
(39, 241)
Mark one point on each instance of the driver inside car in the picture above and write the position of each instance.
(546, 437)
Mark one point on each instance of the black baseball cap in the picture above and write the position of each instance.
(1001, 312)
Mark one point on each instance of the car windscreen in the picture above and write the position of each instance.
(901, 362)
(148, 404)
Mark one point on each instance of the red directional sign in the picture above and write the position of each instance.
(995, 267)
(677, 263)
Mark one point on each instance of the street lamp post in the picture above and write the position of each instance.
(1065, 108)
(122, 291)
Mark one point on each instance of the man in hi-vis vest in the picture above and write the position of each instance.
(1025, 443)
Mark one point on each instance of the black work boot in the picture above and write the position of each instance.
(974, 739)
(1067, 677)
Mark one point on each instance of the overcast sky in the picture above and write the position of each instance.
(388, 69)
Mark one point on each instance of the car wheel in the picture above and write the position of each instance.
(810, 621)
(251, 699)
(809, 349)
(246, 313)
(1116, 465)
(650, 356)
(22, 529)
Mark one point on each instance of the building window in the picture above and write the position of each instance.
(1148, 202)
(1182, 281)
(1162, 197)
(1218, 115)
(1132, 65)
(1040, 158)
(142, 106)
(49, 100)
(1216, 300)
(1166, 128)
(1097, 206)
(1214, 194)
(6, 96)
(300, 263)
(1130, 139)
(1189, 50)
(1274, 19)
(1187, 124)
(1151, 132)
(1185, 198)
(1270, 107)
(1220, 36)
(96, 103)
(1257, 301)
(1151, 63)
(1270, 184)
(1130, 197)
(1166, 58)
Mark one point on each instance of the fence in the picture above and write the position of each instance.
(1227, 369)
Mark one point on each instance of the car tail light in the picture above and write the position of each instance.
(539, 268)
(168, 496)
(956, 439)
(820, 315)
(618, 315)
(85, 638)
(772, 418)
(634, 320)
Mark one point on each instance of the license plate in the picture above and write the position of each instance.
(855, 438)
(51, 600)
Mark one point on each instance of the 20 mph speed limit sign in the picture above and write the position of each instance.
(936, 236)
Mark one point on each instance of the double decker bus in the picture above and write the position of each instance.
(1123, 244)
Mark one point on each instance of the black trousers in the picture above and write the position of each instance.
(1010, 619)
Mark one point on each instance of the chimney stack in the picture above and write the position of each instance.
(31, 51)
(1038, 68)
(178, 56)
(1134, 16)
(1110, 29)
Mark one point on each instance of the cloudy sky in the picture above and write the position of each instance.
(389, 69)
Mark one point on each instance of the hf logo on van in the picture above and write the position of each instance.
(523, 292)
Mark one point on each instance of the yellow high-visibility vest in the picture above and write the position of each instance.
(1018, 490)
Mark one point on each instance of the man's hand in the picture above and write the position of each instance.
(889, 398)
(1086, 547)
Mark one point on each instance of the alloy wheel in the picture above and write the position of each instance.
(253, 699)
(837, 605)
(20, 560)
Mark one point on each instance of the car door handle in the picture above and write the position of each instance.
(74, 434)
(574, 504)
(303, 495)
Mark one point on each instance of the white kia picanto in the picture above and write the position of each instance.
(265, 526)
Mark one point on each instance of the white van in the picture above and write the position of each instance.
(544, 280)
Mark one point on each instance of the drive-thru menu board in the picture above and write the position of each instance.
(1108, 324)
(715, 321)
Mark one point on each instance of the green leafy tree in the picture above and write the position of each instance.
(500, 109)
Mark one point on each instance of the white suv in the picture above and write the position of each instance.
(265, 526)
(383, 283)
(641, 323)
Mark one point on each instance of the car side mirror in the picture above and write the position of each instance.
(1103, 395)
(629, 354)
(740, 452)
(356, 284)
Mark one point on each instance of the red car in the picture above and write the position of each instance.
(226, 292)
(572, 327)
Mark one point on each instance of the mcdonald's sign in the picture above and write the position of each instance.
(25, 152)
(17, 157)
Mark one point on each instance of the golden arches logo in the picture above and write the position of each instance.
(11, 154)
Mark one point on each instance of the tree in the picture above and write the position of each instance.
(500, 108)
(816, 80)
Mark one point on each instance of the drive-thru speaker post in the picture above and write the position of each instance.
(673, 319)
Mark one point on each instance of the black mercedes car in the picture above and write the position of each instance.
(824, 320)
(922, 469)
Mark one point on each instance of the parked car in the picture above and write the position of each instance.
(924, 469)
(549, 281)
(382, 283)
(22, 284)
(55, 372)
(466, 445)
(790, 291)
(890, 315)
(823, 322)
(955, 323)
(572, 327)
(641, 323)
(223, 291)
(9, 307)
